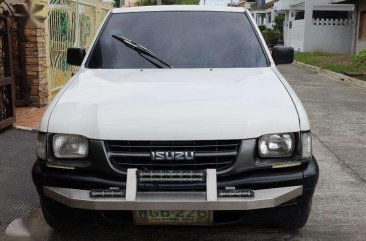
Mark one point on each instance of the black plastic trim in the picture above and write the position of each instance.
(306, 176)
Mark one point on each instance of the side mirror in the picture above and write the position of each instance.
(283, 55)
(75, 56)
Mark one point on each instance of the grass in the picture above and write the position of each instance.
(340, 63)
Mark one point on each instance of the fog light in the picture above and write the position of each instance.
(111, 192)
(171, 176)
(235, 193)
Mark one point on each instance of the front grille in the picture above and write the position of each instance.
(218, 154)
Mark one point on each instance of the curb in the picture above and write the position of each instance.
(25, 128)
(333, 75)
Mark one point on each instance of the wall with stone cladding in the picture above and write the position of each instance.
(36, 60)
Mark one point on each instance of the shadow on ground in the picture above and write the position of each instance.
(34, 228)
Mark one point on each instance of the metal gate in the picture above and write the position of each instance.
(7, 86)
(22, 87)
(72, 23)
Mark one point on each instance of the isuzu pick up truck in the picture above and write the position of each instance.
(176, 115)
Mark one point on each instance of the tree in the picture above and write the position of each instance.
(262, 28)
(167, 2)
(278, 26)
(271, 36)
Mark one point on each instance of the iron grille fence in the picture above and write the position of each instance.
(72, 23)
(7, 90)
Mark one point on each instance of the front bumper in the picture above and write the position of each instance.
(265, 198)
(271, 189)
(208, 200)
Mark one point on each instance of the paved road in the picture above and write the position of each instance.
(17, 194)
(338, 116)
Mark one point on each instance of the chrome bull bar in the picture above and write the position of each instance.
(209, 200)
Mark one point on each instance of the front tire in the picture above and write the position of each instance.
(62, 218)
(298, 221)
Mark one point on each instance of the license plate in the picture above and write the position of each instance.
(153, 217)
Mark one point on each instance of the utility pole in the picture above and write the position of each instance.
(158, 2)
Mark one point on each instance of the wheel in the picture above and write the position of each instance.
(62, 218)
(297, 221)
(57, 216)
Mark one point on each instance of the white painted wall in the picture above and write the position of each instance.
(285, 29)
(283, 5)
(306, 36)
(294, 31)
(329, 38)
(297, 35)
(325, 38)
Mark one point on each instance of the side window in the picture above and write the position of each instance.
(362, 26)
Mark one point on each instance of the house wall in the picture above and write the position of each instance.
(294, 31)
(360, 44)
(327, 36)
(285, 28)
(296, 38)
(339, 36)
(36, 60)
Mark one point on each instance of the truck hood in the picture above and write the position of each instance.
(174, 104)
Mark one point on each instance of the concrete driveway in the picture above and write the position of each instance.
(17, 194)
(337, 113)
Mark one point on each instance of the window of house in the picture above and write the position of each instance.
(362, 26)
(331, 14)
(300, 15)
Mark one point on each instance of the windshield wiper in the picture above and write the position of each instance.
(141, 50)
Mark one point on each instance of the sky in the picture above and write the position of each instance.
(216, 2)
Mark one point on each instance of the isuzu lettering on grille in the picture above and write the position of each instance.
(172, 155)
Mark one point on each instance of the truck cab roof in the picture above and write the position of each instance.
(178, 8)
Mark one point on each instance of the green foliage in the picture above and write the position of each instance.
(167, 2)
(262, 28)
(279, 21)
(340, 63)
(117, 3)
(360, 59)
(272, 37)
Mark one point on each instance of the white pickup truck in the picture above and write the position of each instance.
(177, 115)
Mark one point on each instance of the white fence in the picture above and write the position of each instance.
(330, 35)
(320, 35)
(332, 22)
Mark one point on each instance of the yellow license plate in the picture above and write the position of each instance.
(159, 217)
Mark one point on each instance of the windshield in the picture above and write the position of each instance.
(184, 39)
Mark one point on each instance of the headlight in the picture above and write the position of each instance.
(70, 146)
(306, 145)
(276, 145)
(41, 146)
